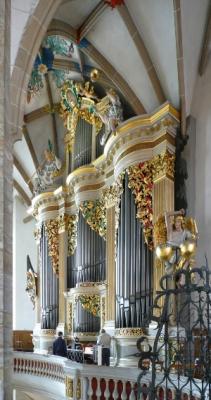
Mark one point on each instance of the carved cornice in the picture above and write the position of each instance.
(137, 140)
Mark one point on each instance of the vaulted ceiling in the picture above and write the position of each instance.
(149, 50)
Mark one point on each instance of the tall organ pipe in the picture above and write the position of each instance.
(49, 287)
(83, 144)
(133, 267)
(88, 262)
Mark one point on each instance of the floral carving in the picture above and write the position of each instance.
(141, 184)
(52, 233)
(72, 233)
(94, 213)
(141, 179)
(90, 303)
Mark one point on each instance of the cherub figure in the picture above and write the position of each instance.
(111, 115)
(46, 172)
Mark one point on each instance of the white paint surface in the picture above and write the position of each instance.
(20, 11)
(23, 244)
(155, 23)
(194, 16)
(110, 36)
(201, 110)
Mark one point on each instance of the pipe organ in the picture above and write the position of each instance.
(97, 268)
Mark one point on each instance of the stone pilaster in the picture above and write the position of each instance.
(5, 206)
(63, 246)
(110, 266)
(163, 199)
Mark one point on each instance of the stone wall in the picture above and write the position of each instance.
(5, 205)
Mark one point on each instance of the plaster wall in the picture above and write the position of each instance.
(20, 11)
(201, 194)
(23, 244)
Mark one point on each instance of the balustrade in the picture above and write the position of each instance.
(90, 382)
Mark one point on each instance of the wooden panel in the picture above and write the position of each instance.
(22, 341)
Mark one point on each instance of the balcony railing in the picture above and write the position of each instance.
(71, 380)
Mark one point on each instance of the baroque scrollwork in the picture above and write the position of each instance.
(90, 303)
(52, 233)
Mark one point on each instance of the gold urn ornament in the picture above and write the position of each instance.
(94, 75)
(164, 252)
(188, 248)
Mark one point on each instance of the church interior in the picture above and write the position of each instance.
(105, 171)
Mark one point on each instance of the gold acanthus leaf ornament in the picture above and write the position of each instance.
(52, 233)
(163, 165)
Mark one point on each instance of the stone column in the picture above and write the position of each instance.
(110, 268)
(6, 211)
(62, 271)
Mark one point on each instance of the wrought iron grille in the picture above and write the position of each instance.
(178, 359)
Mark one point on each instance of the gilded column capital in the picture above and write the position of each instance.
(163, 166)
(111, 195)
(52, 233)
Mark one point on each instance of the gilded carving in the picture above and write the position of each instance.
(103, 311)
(69, 387)
(48, 332)
(90, 303)
(69, 317)
(141, 183)
(91, 284)
(52, 233)
(141, 180)
(163, 165)
(94, 213)
(78, 389)
(31, 285)
(62, 222)
(72, 233)
(130, 332)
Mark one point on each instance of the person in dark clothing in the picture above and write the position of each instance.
(77, 345)
(59, 346)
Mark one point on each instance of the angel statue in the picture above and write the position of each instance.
(175, 239)
(47, 171)
(109, 109)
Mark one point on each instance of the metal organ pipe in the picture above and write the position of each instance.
(134, 266)
(49, 285)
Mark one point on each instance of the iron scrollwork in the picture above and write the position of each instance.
(180, 356)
